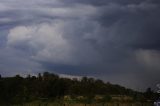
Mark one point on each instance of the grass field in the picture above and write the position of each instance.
(80, 104)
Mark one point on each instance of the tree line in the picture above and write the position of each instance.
(49, 86)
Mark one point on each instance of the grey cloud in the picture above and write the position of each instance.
(83, 37)
(102, 2)
(17, 62)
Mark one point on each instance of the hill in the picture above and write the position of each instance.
(50, 86)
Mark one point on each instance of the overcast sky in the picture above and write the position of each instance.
(115, 40)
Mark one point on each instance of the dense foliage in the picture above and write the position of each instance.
(50, 86)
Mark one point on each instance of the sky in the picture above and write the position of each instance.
(114, 40)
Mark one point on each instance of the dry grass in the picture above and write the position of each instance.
(76, 104)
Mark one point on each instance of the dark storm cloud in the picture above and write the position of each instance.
(116, 40)
(103, 2)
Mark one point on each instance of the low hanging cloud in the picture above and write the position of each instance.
(149, 58)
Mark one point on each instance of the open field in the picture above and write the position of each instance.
(96, 104)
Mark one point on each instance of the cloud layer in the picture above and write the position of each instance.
(115, 40)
